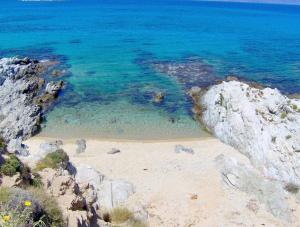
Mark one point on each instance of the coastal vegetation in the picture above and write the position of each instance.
(2, 145)
(53, 160)
(11, 165)
(32, 207)
(121, 215)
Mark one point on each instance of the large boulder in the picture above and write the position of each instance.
(110, 193)
(262, 124)
(16, 146)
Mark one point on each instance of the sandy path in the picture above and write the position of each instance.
(175, 189)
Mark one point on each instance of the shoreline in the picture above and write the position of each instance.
(120, 140)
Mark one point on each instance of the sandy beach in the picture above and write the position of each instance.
(174, 189)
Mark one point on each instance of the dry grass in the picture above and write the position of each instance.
(120, 215)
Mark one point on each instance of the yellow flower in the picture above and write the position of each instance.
(6, 218)
(27, 203)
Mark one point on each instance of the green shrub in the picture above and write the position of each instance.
(19, 207)
(52, 213)
(288, 137)
(53, 160)
(36, 180)
(295, 107)
(2, 145)
(11, 166)
(283, 115)
(4, 194)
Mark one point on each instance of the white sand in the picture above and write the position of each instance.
(165, 182)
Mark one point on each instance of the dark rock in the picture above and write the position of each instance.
(53, 88)
(190, 72)
(159, 97)
(114, 151)
(58, 73)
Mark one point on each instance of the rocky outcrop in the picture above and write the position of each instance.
(77, 203)
(159, 97)
(244, 177)
(262, 124)
(110, 193)
(21, 89)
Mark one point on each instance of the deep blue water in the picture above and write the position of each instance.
(101, 42)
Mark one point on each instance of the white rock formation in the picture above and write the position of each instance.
(110, 193)
(262, 124)
(244, 177)
(23, 99)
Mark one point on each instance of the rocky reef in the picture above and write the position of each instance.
(189, 72)
(23, 97)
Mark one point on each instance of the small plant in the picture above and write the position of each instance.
(106, 217)
(288, 137)
(52, 213)
(53, 160)
(120, 215)
(295, 107)
(11, 166)
(221, 99)
(36, 181)
(17, 209)
(2, 145)
(292, 188)
(4, 195)
(283, 115)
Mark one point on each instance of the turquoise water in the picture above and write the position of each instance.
(100, 43)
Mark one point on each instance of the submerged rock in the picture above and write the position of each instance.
(262, 124)
(53, 88)
(159, 97)
(190, 72)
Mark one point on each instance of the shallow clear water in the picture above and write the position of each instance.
(101, 41)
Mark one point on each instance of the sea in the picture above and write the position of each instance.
(105, 49)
